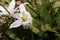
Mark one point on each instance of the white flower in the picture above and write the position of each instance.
(22, 19)
(10, 8)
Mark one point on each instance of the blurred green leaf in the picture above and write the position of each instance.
(47, 27)
(12, 35)
(58, 19)
(35, 30)
(32, 12)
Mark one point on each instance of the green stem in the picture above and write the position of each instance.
(35, 30)
(32, 35)
(23, 37)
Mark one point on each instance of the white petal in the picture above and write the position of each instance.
(25, 23)
(29, 17)
(4, 12)
(11, 6)
(27, 14)
(16, 24)
(20, 15)
(29, 21)
(26, 3)
(22, 8)
(17, 16)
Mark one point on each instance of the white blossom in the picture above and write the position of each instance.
(24, 18)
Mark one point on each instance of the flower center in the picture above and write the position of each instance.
(24, 18)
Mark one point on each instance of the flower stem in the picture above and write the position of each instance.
(32, 35)
(23, 37)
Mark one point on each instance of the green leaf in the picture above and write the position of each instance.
(45, 15)
(11, 35)
(31, 10)
(58, 19)
(47, 27)
(8, 1)
(36, 30)
(43, 28)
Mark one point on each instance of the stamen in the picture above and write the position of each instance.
(24, 18)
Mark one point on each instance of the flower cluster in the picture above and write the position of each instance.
(23, 18)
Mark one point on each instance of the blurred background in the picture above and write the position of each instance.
(46, 21)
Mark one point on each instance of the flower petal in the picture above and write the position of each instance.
(11, 6)
(29, 21)
(16, 24)
(20, 15)
(26, 3)
(25, 23)
(27, 14)
(3, 11)
(22, 7)
(29, 17)
(17, 16)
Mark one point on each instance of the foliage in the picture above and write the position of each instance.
(46, 22)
